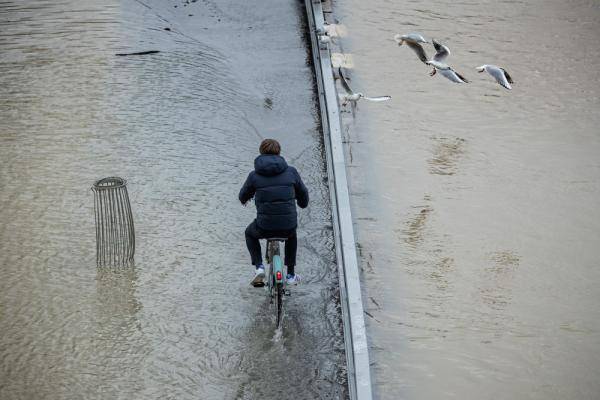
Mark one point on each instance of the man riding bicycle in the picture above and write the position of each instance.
(276, 187)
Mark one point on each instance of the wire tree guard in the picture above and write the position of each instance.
(115, 234)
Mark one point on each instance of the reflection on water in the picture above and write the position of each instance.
(116, 342)
(446, 154)
(477, 211)
(183, 127)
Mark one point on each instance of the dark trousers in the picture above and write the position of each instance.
(254, 233)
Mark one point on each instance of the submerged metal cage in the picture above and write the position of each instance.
(115, 234)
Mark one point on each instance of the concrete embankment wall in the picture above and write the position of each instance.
(359, 377)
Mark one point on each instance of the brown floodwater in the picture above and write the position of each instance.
(476, 208)
(182, 126)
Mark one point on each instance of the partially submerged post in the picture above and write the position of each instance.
(115, 235)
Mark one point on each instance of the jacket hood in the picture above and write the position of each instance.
(269, 165)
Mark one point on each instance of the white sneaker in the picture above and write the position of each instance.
(259, 277)
(293, 279)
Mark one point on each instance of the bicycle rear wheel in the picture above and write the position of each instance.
(279, 301)
(276, 278)
(271, 251)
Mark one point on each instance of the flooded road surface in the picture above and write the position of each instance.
(182, 126)
(477, 207)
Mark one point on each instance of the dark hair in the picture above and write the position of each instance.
(269, 146)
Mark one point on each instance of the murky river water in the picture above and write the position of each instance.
(477, 208)
(183, 126)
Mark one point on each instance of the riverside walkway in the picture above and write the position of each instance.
(182, 124)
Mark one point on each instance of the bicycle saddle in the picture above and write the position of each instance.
(276, 239)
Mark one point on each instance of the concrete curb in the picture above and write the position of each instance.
(357, 353)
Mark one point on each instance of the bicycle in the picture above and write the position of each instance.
(275, 276)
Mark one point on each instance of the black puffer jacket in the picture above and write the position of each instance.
(275, 187)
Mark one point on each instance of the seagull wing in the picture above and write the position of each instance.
(462, 78)
(441, 51)
(345, 82)
(498, 74)
(418, 49)
(453, 75)
(508, 78)
(416, 37)
(378, 98)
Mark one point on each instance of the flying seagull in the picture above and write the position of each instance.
(500, 74)
(413, 40)
(353, 96)
(446, 71)
(441, 53)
